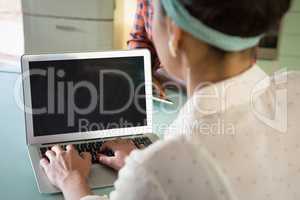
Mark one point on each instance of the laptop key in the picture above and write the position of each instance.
(141, 142)
(94, 158)
(89, 147)
(93, 146)
(43, 151)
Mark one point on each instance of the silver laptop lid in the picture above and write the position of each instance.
(82, 96)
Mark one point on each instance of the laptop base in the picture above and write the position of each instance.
(100, 176)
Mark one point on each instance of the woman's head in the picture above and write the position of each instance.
(241, 18)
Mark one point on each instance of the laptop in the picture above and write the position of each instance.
(85, 99)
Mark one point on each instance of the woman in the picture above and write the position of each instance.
(229, 148)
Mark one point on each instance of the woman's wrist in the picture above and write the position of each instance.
(74, 187)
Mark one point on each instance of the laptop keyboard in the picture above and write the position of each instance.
(93, 147)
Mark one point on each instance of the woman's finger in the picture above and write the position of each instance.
(159, 88)
(57, 149)
(44, 163)
(108, 161)
(50, 154)
(70, 147)
(162, 92)
(86, 156)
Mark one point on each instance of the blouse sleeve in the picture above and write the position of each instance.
(136, 183)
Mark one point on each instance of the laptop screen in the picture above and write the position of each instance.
(82, 95)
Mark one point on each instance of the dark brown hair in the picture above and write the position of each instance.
(244, 18)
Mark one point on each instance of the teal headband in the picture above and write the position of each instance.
(190, 24)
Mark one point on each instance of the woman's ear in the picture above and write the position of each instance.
(174, 36)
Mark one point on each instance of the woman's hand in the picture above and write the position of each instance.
(158, 88)
(68, 171)
(121, 149)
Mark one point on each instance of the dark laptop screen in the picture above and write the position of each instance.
(87, 95)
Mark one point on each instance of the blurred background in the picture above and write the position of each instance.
(54, 26)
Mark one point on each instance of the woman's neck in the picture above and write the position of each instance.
(213, 70)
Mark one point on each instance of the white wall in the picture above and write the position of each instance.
(11, 30)
(124, 16)
(10, 5)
